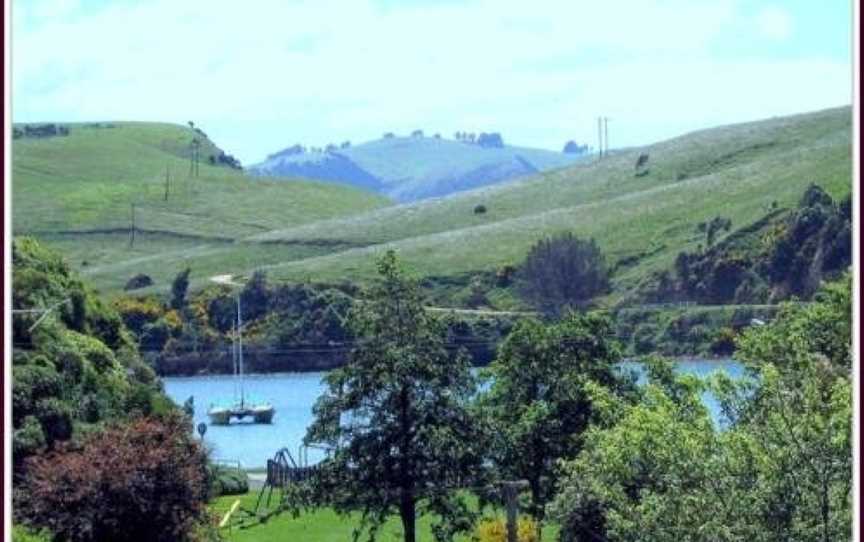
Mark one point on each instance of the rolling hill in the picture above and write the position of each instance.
(414, 168)
(735, 171)
(77, 192)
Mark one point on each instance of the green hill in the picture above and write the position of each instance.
(736, 171)
(76, 192)
(415, 167)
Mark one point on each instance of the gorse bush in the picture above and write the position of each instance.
(495, 530)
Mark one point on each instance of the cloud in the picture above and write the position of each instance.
(774, 23)
(259, 79)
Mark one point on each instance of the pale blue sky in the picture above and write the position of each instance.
(277, 72)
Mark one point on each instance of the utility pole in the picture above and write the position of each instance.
(606, 133)
(132, 228)
(510, 493)
(167, 181)
(599, 137)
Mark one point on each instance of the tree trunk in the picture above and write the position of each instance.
(409, 516)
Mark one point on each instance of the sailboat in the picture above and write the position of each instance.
(240, 408)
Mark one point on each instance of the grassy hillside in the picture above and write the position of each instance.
(734, 171)
(413, 168)
(76, 192)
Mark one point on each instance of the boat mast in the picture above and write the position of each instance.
(234, 358)
(240, 351)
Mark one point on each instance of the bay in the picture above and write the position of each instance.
(293, 396)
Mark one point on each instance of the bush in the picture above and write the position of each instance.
(23, 534)
(644, 338)
(724, 342)
(495, 530)
(141, 481)
(138, 312)
(228, 481)
(480, 209)
(139, 281)
(563, 272)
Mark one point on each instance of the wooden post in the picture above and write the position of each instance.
(510, 493)
(167, 181)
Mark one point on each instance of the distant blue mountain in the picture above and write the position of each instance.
(416, 167)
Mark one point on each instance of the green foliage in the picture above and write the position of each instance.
(769, 260)
(397, 414)
(227, 481)
(538, 400)
(779, 469)
(23, 534)
(563, 272)
(74, 370)
(178, 289)
(255, 296)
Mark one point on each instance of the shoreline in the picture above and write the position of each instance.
(635, 359)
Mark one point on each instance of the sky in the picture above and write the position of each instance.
(279, 72)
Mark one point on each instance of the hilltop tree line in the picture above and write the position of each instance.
(39, 130)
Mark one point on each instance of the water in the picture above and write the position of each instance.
(294, 394)
(701, 368)
(291, 394)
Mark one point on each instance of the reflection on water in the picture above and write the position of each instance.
(294, 394)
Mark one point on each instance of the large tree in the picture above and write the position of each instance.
(538, 400)
(563, 272)
(397, 415)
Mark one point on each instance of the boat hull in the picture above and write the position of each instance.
(260, 414)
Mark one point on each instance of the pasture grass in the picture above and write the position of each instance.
(325, 233)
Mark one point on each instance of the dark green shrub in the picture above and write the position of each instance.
(228, 481)
(644, 339)
(139, 281)
(563, 271)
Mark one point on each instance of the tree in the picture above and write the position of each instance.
(145, 480)
(571, 147)
(178, 289)
(255, 296)
(538, 401)
(781, 469)
(493, 140)
(648, 471)
(398, 415)
(563, 271)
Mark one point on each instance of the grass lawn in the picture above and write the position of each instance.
(322, 525)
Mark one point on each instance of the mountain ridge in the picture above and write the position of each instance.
(413, 168)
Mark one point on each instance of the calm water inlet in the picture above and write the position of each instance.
(294, 394)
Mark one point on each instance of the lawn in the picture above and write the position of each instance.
(322, 525)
